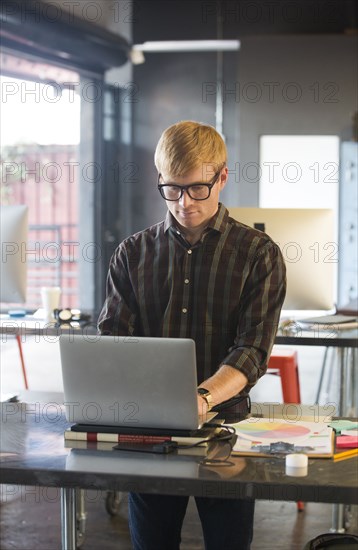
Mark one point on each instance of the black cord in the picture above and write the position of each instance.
(228, 436)
(167, 447)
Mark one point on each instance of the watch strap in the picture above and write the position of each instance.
(205, 394)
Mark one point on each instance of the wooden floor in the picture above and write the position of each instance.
(30, 521)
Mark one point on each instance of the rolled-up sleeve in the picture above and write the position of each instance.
(259, 313)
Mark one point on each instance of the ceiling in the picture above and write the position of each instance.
(203, 19)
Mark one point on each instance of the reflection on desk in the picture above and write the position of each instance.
(82, 460)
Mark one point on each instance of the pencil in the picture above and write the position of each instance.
(345, 454)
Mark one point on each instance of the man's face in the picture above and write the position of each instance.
(193, 214)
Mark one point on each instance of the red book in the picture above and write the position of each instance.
(95, 437)
(346, 442)
(114, 438)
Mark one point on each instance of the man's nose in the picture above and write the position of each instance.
(185, 199)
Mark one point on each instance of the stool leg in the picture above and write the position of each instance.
(18, 339)
(291, 392)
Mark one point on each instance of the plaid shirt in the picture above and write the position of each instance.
(225, 292)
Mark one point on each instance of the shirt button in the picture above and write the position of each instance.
(184, 310)
(190, 251)
(186, 281)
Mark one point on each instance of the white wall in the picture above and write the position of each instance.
(295, 85)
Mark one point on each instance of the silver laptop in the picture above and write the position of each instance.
(130, 382)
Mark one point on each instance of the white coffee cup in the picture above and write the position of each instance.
(50, 296)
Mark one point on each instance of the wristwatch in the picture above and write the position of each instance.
(205, 394)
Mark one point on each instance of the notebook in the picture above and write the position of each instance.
(331, 322)
(130, 384)
(333, 319)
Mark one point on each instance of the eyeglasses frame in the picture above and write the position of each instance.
(186, 188)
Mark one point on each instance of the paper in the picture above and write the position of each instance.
(339, 425)
(329, 320)
(350, 432)
(264, 436)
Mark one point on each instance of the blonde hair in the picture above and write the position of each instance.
(187, 145)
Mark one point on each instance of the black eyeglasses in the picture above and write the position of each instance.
(196, 191)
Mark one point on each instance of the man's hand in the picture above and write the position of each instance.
(223, 385)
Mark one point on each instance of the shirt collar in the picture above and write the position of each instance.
(218, 222)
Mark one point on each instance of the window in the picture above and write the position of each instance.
(40, 134)
(59, 68)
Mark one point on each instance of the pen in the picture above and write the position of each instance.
(345, 454)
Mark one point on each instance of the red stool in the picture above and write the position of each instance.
(285, 363)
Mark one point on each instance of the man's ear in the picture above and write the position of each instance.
(224, 177)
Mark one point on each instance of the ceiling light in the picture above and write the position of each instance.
(167, 46)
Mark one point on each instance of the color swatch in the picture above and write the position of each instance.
(280, 431)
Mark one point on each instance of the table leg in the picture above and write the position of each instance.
(338, 519)
(323, 368)
(347, 382)
(81, 517)
(342, 382)
(345, 405)
(68, 518)
(352, 376)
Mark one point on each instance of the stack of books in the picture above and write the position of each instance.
(346, 439)
(196, 443)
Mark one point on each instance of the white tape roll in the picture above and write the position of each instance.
(297, 465)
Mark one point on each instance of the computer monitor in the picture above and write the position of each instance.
(307, 241)
(14, 228)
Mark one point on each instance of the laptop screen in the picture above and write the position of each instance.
(130, 381)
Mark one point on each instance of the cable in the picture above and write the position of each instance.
(229, 436)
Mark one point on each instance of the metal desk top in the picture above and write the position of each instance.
(33, 453)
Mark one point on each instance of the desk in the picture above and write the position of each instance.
(33, 453)
(293, 335)
(346, 343)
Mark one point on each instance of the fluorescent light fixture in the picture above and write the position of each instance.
(136, 56)
(168, 46)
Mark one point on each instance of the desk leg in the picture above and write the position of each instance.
(348, 382)
(346, 405)
(343, 384)
(68, 518)
(352, 377)
(338, 519)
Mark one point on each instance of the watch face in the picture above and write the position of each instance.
(203, 391)
(65, 315)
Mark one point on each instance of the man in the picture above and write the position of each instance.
(198, 274)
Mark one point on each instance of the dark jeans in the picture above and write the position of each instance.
(155, 522)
